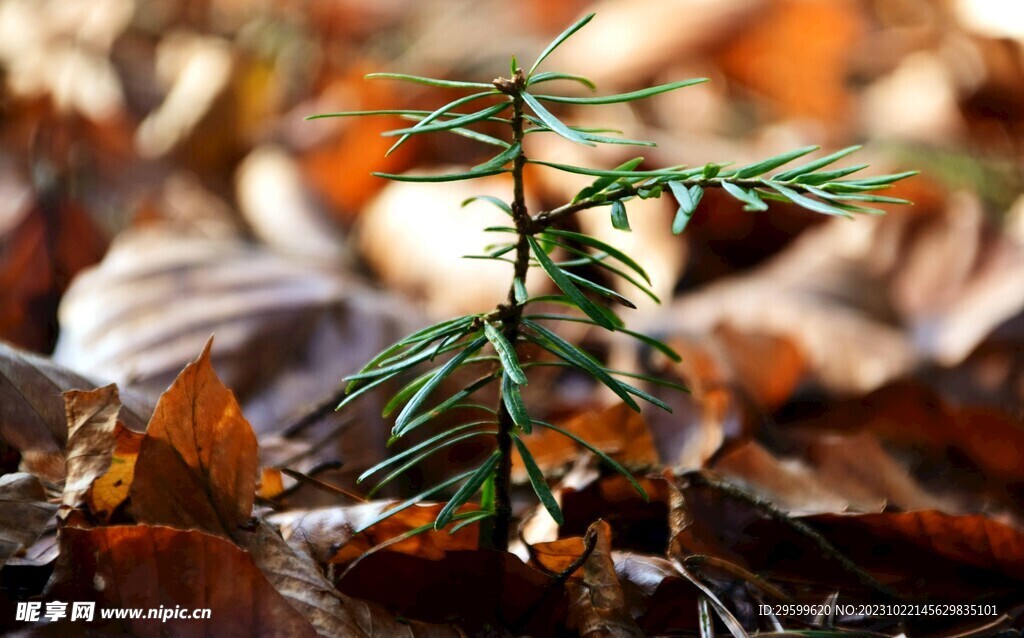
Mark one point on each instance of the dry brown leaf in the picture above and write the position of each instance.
(557, 556)
(967, 453)
(597, 605)
(788, 483)
(199, 443)
(820, 294)
(616, 430)
(922, 541)
(271, 483)
(287, 331)
(833, 473)
(768, 367)
(149, 567)
(109, 491)
(24, 513)
(329, 534)
(298, 578)
(33, 420)
(92, 418)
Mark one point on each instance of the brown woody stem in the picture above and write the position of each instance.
(510, 321)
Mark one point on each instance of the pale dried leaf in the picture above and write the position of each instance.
(287, 331)
(92, 417)
(32, 416)
(24, 513)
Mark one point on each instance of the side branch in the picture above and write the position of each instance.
(544, 220)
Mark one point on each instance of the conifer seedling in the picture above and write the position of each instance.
(488, 343)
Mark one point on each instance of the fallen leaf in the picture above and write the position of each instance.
(198, 444)
(299, 580)
(24, 513)
(919, 554)
(109, 491)
(768, 367)
(557, 556)
(92, 418)
(271, 483)
(616, 430)
(287, 333)
(597, 605)
(789, 484)
(830, 473)
(977, 445)
(331, 534)
(659, 600)
(33, 420)
(929, 551)
(157, 567)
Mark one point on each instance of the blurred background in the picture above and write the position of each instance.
(159, 184)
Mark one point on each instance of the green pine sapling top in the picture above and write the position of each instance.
(488, 342)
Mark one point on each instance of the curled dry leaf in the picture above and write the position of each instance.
(24, 513)
(92, 418)
(597, 605)
(152, 567)
(33, 420)
(199, 443)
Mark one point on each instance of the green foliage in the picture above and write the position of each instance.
(454, 344)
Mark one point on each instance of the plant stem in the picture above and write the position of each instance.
(510, 326)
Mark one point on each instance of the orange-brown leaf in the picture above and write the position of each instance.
(149, 567)
(197, 465)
